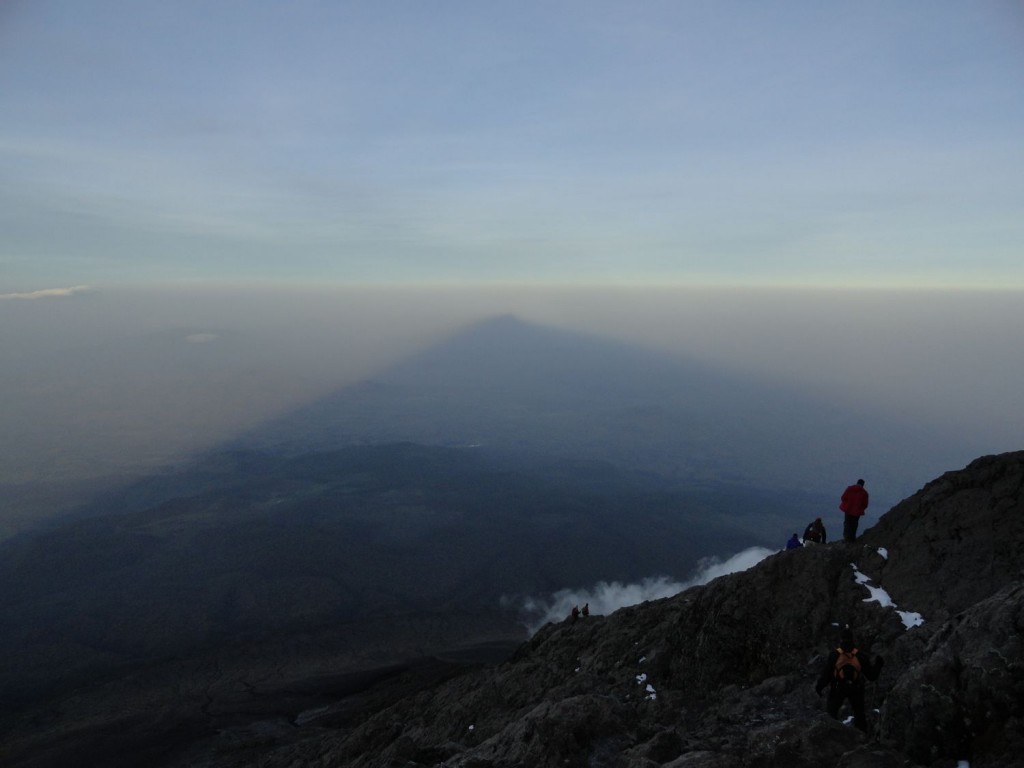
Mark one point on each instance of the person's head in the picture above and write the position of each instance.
(846, 637)
(817, 519)
(860, 482)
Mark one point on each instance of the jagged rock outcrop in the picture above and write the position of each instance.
(966, 694)
(957, 540)
(722, 676)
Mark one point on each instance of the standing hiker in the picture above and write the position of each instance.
(853, 504)
(844, 673)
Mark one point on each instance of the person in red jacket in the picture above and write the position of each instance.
(853, 504)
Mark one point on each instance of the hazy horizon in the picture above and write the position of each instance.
(109, 380)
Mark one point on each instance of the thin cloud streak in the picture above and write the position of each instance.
(49, 293)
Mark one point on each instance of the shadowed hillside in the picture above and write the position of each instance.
(723, 676)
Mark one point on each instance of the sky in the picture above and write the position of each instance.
(859, 144)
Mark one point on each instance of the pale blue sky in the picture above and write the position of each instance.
(805, 143)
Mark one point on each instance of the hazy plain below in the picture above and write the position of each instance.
(112, 383)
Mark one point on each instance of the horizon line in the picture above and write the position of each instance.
(287, 286)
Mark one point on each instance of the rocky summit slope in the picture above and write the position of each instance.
(722, 676)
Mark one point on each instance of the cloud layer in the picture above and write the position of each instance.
(605, 597)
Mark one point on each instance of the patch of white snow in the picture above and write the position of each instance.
(909, 619)
(884, 553)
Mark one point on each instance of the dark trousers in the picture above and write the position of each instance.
(850, 527)
(855, 693)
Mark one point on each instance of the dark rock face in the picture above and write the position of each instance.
(722, 676)
(966, 695)
(961, 532)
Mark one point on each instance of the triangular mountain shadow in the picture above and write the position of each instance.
(511, 385)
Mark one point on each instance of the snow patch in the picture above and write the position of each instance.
(884, 553)
(909, 619)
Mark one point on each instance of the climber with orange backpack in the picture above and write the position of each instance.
(844, 673)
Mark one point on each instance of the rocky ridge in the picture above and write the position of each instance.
(722, 676)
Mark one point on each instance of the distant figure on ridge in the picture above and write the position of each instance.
(794, 542)
(575, 613)
(815, 532)
(844, 672)
(586, 609)
(853, 504)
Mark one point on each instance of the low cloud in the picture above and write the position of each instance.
(605, 597)
(201, 338)
(48, 293)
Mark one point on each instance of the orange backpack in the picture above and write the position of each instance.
(847, 668)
